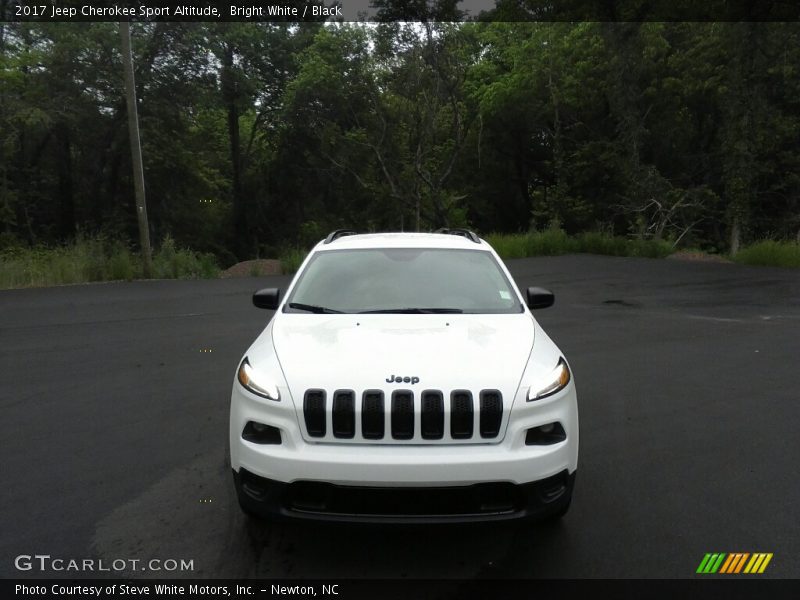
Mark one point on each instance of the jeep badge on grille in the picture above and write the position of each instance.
(398, 379)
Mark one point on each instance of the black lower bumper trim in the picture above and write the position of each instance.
(490, 501)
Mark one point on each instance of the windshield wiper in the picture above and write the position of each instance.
(311, 308)
(414, 311)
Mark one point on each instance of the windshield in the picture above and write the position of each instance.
(403, 280)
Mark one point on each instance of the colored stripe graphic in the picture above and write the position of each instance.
(734, 562)
(740, 564)
(716, 564)
(764, 564)
(703, 563)
(727, 564)
(755, 562)
(711, 562)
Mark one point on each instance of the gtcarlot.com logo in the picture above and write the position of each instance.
(45, 562)
(734, 563)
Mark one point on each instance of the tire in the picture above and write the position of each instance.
(250, 514)
(561, 511)
(564, 503)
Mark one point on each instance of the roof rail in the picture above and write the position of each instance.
(335, 235)
(462, 232)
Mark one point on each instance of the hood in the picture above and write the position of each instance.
(445, 352)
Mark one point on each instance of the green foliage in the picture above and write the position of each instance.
(770, 253)
(552, 242)
(255, 270)
(171, 262)
(598, 243)
(291, 259)
(263, 136)
(97, 259)
(509, 245)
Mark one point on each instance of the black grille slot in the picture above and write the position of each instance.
(314, 412)
(461, 415)
(402, 414)
(432, 417)
(372, 415)
(491, 413)
(344, 413)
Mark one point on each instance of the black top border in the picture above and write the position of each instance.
(400, 10)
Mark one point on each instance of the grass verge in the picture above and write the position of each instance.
(98, 259)
(291, 259)
(555, 241)
(770, 253)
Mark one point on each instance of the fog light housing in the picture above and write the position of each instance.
(259, 433)
(545, 435)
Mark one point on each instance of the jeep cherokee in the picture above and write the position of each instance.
(403, 377)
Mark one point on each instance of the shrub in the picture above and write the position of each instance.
(291, 259)
(552, 242)
(770, 253)
(97, 259)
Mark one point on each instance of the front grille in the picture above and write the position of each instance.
(372, 415)
(432, 415)
(491, 413)
(314, 410)
(461, 417)
(402, 415)
(344, 414)
(428, 416)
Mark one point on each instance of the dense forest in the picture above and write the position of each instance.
(260, 137)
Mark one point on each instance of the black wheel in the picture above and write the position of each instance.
(562, 510)
(250, 514)
(244, 503)
(565, 502)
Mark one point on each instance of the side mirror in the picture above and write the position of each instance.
(540, 298)
(268, 298)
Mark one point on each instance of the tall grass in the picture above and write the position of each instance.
(98, 259)
(291, 259)
(171, 262)
(770, 253)
(552, 242)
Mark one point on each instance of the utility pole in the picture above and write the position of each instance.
(136, 147)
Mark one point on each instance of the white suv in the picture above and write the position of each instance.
(403, 378)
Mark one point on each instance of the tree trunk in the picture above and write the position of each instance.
(135, 143)
(441, 212)
(66, 200)
(240, 218)
(558, 160)
(112, 185)
(736, 232)
(556, 212)
(230, 95)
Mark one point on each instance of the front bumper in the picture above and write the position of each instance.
(491, 501)
(508, 479)
(405, 465)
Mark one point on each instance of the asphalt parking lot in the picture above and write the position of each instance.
(115, 399)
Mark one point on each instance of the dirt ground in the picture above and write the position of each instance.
(253, 268)
(698, 257)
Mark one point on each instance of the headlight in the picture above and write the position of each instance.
(260, 387)
(555, 381)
